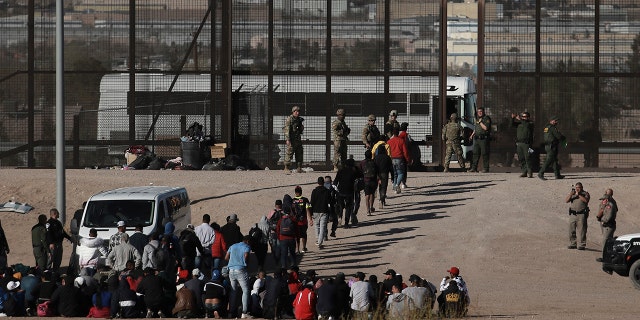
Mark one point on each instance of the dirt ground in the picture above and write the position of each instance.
(508, 235)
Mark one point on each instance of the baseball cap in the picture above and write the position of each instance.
(195, 272)
(295, 108)
(233, 217)
(390, 272)
(554, 118)
(393, 113)
(121, 223)
(454, 270)
(372, 117)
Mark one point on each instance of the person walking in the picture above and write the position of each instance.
(238, 276)
(607, 217)
(370, 132)
(39, 242)
(578, 214)
(524, 139)
(55, 235)
(344, 181)
(320, 201)
(370, 176)
(301, 210)
(4, 248)
(452, 136)
(552, 139)
(341, 133)
(293, 129)
(399, 159)
(481, 136)
(384, 168)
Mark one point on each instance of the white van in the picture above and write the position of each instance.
(150, 207)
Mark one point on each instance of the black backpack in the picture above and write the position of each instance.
(257, 236)
(158, 257)
(287, 226)
(299, 208)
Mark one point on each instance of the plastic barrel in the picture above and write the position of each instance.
(191, 154)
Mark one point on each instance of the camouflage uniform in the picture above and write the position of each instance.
(391, 124)
(452, 135)
(340, 133)
(370, 133)
(293, 128)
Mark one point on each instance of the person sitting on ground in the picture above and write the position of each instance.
(124, 301)
(304, 303)
(66, 299)
(151, 288)
(454, 275)
(215, 296)
(399, 305)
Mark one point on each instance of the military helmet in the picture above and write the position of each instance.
(340, 112)
(295, 108)
(372, 117)
(453, 116)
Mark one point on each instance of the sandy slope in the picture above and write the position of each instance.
(507, 234)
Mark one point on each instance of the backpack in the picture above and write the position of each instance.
(369, 169)
(158, 257)
(287, 226)
(299, 209)
(257, 236)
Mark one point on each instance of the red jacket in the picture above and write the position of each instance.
(304, 305)
(398, 148)
(219, 247)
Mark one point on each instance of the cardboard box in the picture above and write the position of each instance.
(219, 150)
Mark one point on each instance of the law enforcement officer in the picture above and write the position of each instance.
(452, 136)
(391, 124)
(481, 137)
(340, 137)
(552, 138)
(293, 128)
(370, 132)
(607, 217)
(524, 139)
(578, 214)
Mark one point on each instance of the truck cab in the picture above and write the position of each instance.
(622, 256)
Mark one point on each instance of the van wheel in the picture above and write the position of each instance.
(634, 274)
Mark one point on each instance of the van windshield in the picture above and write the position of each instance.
(107, 213)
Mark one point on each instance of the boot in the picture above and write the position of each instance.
(299, 170)
(286, 168)
(524, 174)
(463, 166)
(446, 169)
(335, 168)
(529, 174)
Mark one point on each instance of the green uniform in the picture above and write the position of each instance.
(481, 143)
(340, 132)
(552, 138)
(293, 128)
(452, 135)
(39, 243)
(524, 139)
(370, 135)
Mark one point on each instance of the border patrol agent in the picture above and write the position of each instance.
(481, 134)
(552, 138)
(293, 129)
(340, 134)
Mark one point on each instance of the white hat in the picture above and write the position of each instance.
(196, 272)
(12, 285)
(121, 224)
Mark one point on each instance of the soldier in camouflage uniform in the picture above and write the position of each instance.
(524, 139)
(370, 132)
(340, 132)
(552, 139)
(391, 124)
(293, 128)
(452, 135)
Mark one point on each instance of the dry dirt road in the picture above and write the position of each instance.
(508, 235)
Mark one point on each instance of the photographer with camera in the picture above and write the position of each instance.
(293, 128)
(578, 214)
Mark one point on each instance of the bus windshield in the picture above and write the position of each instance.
(107, 213)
